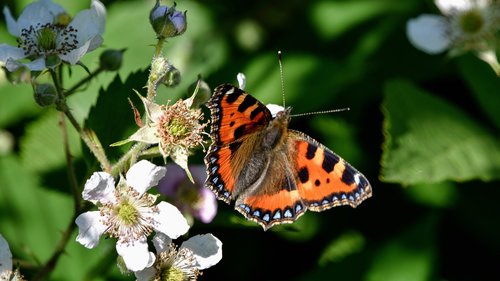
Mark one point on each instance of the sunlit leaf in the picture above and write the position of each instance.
(42, 147)
(429, 140)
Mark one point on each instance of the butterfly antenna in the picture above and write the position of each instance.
(281, 78)
(321, 112)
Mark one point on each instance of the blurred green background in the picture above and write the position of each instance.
(424, 129)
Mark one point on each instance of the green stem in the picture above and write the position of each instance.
(128, 158)
(159, 46)
(71, 168)
(85, 80)
(61, 105)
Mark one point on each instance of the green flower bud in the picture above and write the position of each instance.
(45, 94)
(172, 77)
(111, 60)
(167, 22)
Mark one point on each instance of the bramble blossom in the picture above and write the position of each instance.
(128, 213)
(465, 25)
(46, 33)
(185, 263)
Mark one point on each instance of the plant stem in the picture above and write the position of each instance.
(75, 87)
(49, 266)
(71, 168)
(96, 149)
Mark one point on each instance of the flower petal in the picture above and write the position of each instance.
(36, 65)
(146, 274)
(91, 228)
(161, 242)
(100, 187)
(11, 22)
(153, 110)
(169, 184)
(274, 108)
(74, 55)
(207, 250)
(89, 23)
(135, 254)
(143, 175)
(448, 7)
(180, 155)
(41, 12)
(5, 256)
(170, 221)
(145, 134)
(10, 52)
(428, 33)
(207, 208)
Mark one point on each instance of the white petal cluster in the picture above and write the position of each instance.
(127, 212)
(43, 30)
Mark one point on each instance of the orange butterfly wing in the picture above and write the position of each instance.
(324, 180)
(275, 174)
(235, 115)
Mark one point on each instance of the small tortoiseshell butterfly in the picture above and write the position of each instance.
(274, 174)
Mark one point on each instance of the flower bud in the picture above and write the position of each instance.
(111, 60)
(45, 94)
(164, 72)
(172, 77)
(167, 22)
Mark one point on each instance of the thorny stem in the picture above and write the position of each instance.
(131, 156)
(94, 148)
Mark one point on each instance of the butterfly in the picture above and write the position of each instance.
(274, 174)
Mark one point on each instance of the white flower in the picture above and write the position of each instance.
(185, 263)
(44, 29)
(465, 25)
(6, 272)
(128, 213)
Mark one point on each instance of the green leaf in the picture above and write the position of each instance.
(439, 195)
(429, 140)
(33, 219)
(348, 243)
(112, 118)
(30, 216)
(42, 147)
(333, 18)
(410, 256)
(484, 83)
(16, 102)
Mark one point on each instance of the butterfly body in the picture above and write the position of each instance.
(274, 174)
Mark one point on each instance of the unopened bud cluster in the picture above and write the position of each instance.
(166, 21)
